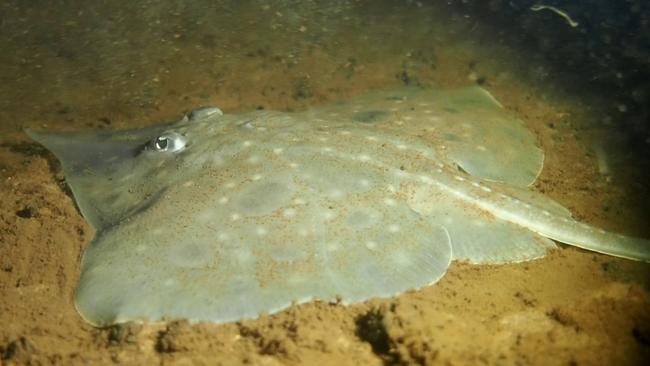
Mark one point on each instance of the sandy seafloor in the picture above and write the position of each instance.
(117, 65)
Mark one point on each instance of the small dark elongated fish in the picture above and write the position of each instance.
(222, 217)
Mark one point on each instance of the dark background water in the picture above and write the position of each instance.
(607, 53)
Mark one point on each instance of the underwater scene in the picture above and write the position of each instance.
(375, 182)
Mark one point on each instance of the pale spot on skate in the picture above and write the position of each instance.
(299, 201)
(390, 202)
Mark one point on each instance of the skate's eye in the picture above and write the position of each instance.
(170, 141)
